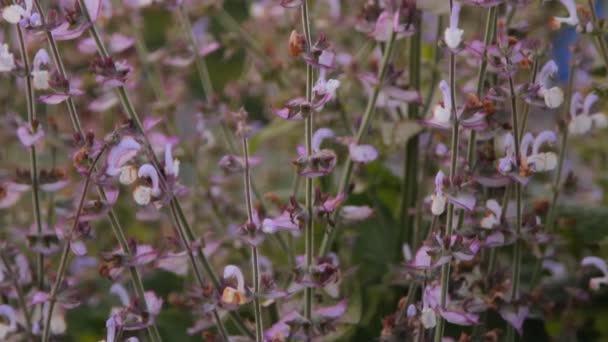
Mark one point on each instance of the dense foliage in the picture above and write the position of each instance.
(286, 170)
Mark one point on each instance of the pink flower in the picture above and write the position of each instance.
(29, 136)
(121, 154)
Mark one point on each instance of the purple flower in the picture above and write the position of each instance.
(453, 34)
(234, 295)
(581, 119)
(74, 28)
(553, 96)
(533, 162)
(515, 315)
(320, 162)
(353, 213)
(362, 153)
(120, 154)
(40, 73)
(8, 325)
(10, 193)
(131, 316)
(493, 214)
(283, 222)
(28, 135)
(600, 264)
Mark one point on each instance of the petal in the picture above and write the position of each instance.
(320, 135)
(463, 201)
(53, 99)
(362, 153)
(13, 13)
(596, 262)
(459, 317)
(515, 317)
(27, 138)
(332, 312)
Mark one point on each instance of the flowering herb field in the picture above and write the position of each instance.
(303, 170)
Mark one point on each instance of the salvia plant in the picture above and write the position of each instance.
(300, 170)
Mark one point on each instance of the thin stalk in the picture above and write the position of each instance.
(517, 252)
(526, 106)
(434, 68)
(550, 221)
(308, 129)
(65, 254)
(445, 269)
(152, 70)
(201, 65)
(117, 228)
(488, 37)
(185, 226)
(410, 159)
(231, 24)
(20, 295)
(32, 120)
(603, 48)
(368, 115)
(255, 266)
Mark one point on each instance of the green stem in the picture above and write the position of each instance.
(368, 115)
(187, 229)
(152, 70)
(601, 38)
(445, 269)
(65, 254)
(201, 65)
(308, 131)
(117, 228)
(550, 221)
(517, 252)
(410, 158)
(488, 37)
(526, 106)
(255, 266)
(32, 120)
(434, 69)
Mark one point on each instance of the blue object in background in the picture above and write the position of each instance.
(564, 39)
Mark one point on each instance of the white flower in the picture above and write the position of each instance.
(120, 154)
(7, 60)
(539, 161)
(581, 123)
(41, 79)
(428, 318)
(14, 14)
(438, 199)
(142, 194)
(453, 34)
(554, 97)
(232, 295)
(572, 18)
(171, 165)
(40, 73)
(326, 90)
(442, 113)
(492, 218)
(128, 175)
